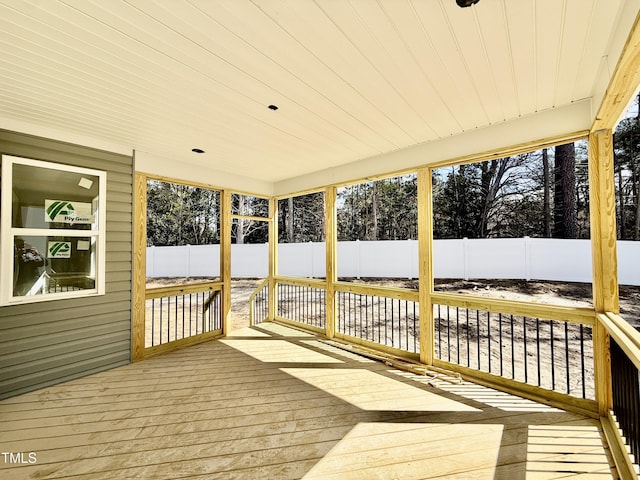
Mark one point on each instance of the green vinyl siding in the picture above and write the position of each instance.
(45, 343)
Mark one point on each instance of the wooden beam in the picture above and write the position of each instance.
(425, 265)
(603, 222)
(377, 291)
(583, 315)
(604, 257)
(273, 256)
(139, 267)
(623, 85)
(225, 259)
(331, 242)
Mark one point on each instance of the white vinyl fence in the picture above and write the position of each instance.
(508, 258)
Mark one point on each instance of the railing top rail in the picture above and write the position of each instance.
(258, 289)
(174, 290)
(302, 282)
(378, 291)
(582, 315)
(627, 337)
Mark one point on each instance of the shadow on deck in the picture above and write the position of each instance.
(274, 403)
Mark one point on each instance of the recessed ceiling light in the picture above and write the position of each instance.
(197, 150)
(273, 107)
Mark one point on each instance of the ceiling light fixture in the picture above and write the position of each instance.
(197, 150)
(273, 107)
(466, 3)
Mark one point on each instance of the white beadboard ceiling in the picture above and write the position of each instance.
(353, 79)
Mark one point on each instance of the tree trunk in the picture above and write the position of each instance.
(546, 193)
(240, 221)
(374, 212)
(289, 220)
(565, 223)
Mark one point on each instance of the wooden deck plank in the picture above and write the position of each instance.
(234, 409)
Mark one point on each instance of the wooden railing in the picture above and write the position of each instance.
(259, 303)
(302, 302)
(181, 313)
(542, 350)
(622, 424)
(381, 317)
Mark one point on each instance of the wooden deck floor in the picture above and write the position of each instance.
(274, 403)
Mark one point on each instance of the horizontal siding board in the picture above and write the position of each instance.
(114, 226)
(118, 187)
(17, 365)
(118, 236)
(38, 347)
(15, 141)
(118, 247)
(119, 217)
(119, 267)
(102, 365)
(48, 342)
(71, 304)
(118, 197)
(85, 365)
(115, 256)
(118, 207)
(117, 287)
(61, 320)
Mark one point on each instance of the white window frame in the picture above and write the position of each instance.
(8, 233)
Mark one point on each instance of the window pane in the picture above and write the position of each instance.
(48, 264)
(50, 198)
(515, 227)
(250, 206)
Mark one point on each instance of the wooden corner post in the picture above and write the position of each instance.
(139, 266)
(225, 260)
(331, 242)
(425, 265)
(273, 255)
(604, 256)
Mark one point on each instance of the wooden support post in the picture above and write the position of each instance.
(603, 244)
(331, 242)
(273, 256)
(139, 267)
(425, 265)
(225, 260)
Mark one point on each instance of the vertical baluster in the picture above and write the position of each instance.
(489, 338)
(415, 332)
(466, 312)
(406, 321)
(448, 334)
(366, 317)
(386, 335)
(500, 333)
(161, 309)
(478, 337)
(175, 319)
(566, 355)
(582, 373)
(153, 321)
(553, 361)
(440, 355)
(524, 337)
(538, 350)
(513, 352)
(458, 334)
